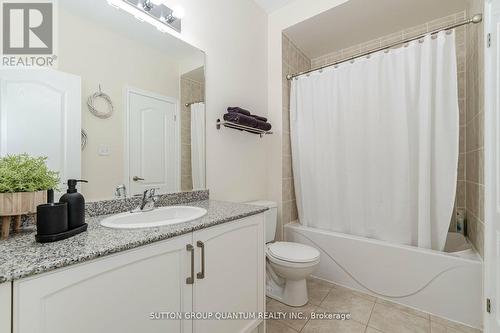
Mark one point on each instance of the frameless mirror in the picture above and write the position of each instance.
(132, 94)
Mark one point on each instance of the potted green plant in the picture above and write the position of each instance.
(24, 181)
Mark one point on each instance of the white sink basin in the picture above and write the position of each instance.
(155, 218)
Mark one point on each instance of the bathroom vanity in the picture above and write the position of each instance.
(145, 280)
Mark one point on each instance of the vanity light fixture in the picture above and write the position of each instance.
(155, 12)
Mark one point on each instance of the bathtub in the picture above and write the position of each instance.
(445, 284)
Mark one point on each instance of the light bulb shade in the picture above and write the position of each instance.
(178, 12)
(153, 16)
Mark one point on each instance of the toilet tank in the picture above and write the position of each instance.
(271, 217)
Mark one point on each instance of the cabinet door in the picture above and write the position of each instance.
(5, 306)
(234, 276)
(117, 293)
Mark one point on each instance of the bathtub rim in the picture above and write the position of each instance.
(477, 260)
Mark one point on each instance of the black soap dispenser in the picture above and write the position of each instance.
(76, 204)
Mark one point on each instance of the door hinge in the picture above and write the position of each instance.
(488, 42)
(488, 305)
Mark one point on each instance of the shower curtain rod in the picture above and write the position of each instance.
(474, 19)
(189, 104)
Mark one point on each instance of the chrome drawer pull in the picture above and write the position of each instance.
(190, 280)
(201, 275)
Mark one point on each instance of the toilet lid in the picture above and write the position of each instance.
(293, 252)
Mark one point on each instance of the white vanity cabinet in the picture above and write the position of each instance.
(118, 293)
(233, 278)
(5, 307)
(112, 294)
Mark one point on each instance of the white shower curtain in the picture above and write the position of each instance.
(198, 145)
(375, 144)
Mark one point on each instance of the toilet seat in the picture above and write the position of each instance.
(292, 253)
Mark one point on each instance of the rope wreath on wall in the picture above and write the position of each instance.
(84, 139)
(93, 109)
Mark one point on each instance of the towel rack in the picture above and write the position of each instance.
(252, 130)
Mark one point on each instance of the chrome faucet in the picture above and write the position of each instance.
(121, 191)
(148, 201)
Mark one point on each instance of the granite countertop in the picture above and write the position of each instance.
(21, 256)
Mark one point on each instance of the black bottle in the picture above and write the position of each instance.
(76, 204)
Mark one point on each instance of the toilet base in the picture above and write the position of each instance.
(289, 292)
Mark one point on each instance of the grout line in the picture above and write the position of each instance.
(371, 312)
(474, 183)
(473, 150)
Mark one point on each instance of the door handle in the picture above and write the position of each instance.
(136, 179)
(190, 248)
(201, 275)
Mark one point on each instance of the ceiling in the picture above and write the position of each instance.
(121, 22)
(271, 5)
(359, 21)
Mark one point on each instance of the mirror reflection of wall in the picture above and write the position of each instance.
(149, 76)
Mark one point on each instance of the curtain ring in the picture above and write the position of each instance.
(434, 36)
(448, 32)
(421, 40)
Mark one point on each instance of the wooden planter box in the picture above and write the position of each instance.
(17, 204)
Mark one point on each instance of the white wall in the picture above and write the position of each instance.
(278, 21)
(234, 36)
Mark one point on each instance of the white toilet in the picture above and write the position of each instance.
(288, 264)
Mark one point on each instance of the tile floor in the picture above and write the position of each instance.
(368, 314)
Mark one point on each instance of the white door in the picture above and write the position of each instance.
(233, 278)
(492, 172)
(113, 294)
(153, 142)
(40, 114)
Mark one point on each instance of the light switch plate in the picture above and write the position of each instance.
(104, 150)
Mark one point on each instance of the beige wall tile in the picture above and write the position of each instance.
(287, 170)
(294, 61)
(475, 133)
(475, 166)
(461, 166)
(191, 91)
(461, 194)
(475, 200)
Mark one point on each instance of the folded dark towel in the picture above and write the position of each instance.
(263, 125)
(236, 109)
(264, 119)
(240, 119)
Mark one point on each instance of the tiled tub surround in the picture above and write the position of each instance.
(474, 125)
(21, 256)
(294, 61)
(191, 91)
(470, 181)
